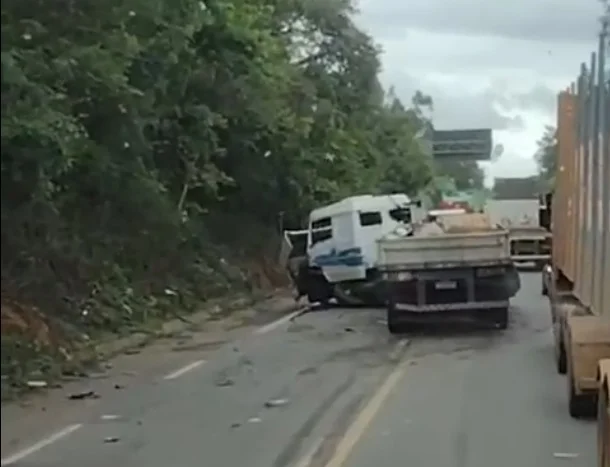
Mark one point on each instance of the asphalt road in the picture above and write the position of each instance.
(327, 389)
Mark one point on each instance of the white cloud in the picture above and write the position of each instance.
(486, 64)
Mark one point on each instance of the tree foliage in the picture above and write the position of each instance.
(139, 136)
(466, 175)
(546, 155)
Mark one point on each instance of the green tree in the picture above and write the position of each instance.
(546, 155)
(467, 175)
(150, 145)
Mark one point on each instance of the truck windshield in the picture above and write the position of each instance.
(401, 215)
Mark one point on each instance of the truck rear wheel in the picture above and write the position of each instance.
(392, 319)
(544, 289)
(579, 405)
(560, 357)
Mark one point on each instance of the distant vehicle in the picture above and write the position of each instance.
(524, 216)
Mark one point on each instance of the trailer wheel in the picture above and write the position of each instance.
(603, 426)
(579, 405)
(544, 289)
(561, 357)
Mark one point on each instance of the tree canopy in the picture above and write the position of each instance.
(139, 135)
(546, 156)
(466, 175)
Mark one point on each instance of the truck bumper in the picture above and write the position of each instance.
(438, 307)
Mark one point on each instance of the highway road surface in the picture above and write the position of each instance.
(326, 389)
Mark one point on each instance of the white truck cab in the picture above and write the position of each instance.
(342, 251)
(342, 236)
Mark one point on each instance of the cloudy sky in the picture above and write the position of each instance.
(486, 64)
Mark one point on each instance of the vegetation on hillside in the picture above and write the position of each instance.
(148, 148)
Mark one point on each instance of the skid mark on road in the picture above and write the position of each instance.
(43, 443)
(287, 454)
(364, 418)
(308, 458)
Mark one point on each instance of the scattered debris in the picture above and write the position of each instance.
(565, 455)
(119, 386)
(254, 420)
(310, 370)
(84, 395)
(243, 360)
(304, 311)
(111, 439)
(37, 384)
(235, 425)
(276, 403)
(225, 382)
(110, 417)
(98, 375)
(349, 330)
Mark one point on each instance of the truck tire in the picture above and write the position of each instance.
(603, 426)
(544, 289)
(318, 290)
(539, 265)
(394, 326)
(561, 358)
(579, 405)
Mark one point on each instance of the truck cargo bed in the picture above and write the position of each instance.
(444, 251)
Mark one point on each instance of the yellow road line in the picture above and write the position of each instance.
(364, 419)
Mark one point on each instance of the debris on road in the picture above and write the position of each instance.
(310, 370)
(110, 417)
(224, 382)
(302, 312)
(37, 384)
(111, 439)
(565, 455)
(84, 395)
(254, 420)
(276, 403)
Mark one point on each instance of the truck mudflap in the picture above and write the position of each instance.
(587, 341)
(603, 414)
